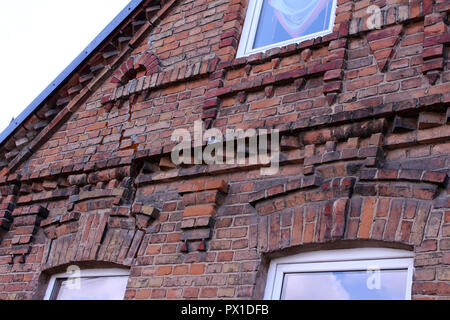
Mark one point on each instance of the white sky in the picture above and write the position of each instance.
(39, 39)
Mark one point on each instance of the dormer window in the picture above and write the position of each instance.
(277, 23)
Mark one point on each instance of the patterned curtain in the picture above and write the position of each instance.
(296, 16)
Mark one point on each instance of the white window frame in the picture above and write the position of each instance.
(360, 259)
(251, 25)
(116, 272)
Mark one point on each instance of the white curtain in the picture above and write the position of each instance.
(297, 15)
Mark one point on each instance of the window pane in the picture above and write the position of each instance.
(351, 285)
(282, 20)
(92, 288)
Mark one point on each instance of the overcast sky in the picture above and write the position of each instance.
(39, 39)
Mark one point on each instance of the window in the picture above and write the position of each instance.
(276, 23)
(98, 284)
(353, 274)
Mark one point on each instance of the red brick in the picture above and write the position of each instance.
(200, 210)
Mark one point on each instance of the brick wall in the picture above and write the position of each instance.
(364, 123)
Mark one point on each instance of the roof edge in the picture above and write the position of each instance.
(68, 71)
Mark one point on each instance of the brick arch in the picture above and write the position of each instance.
(131, 77)
(101, 222)
(390, 206)
(135, 67)
(340, 244)
(380, 207)
(83, 265)
(113, 236)
(98, 224)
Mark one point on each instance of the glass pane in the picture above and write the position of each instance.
(92, 288)
(349, 285)
(282, 20)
